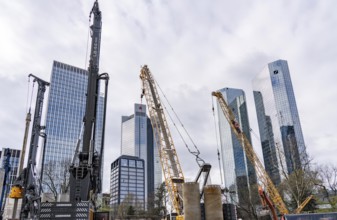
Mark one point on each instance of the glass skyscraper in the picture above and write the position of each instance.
(137, 140)
(239, 173)
(64, 119)
(279, 124)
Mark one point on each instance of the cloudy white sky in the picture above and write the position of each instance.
(191, 47)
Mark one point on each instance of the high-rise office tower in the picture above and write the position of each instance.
(64, 119)
(279, 124)
(127, 183)
(239, 173)
(137, 140)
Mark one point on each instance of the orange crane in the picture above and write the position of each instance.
(267, 202)
(248, 148)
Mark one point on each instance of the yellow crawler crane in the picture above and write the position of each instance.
(173, 174)
(248, 148)
(261, 173)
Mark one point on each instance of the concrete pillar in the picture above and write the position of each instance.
(191, 201)
(213, 205)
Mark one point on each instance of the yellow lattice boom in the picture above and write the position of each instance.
(248, 148)
(169, 160)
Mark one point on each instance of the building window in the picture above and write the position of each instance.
(140, 164)
(124, 162)
(132, 163)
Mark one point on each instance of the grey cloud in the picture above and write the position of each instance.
(191, 47)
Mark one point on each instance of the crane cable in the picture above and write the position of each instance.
(217, 140)
(86, 52)
(196, 153)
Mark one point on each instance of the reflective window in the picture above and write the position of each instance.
(124, 162)
(132, 163)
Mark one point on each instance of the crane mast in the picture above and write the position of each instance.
(248, 148)
(173, 174)
(27, 181)
(85, 178)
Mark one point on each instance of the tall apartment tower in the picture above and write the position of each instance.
(64, 118)
(279, 124)
(137, 140)
(239, 173)
(127, 183)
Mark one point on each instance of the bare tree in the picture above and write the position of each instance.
(56, 177)
(65, 183)
(127, 207)
(50, 179)
(328, 183)
(301, 182)
(248, 200)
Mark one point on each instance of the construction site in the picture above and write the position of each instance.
(199, 199)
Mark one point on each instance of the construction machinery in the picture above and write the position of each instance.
(27, 186)
(267, 203)
(303, 204)
(173, 173)
(85, 170)
(266, 182)
(262, 175)
(85, 178)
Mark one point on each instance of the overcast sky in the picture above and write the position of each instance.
(191, 47)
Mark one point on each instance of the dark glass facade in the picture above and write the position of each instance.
(127, 182)
(279, 124)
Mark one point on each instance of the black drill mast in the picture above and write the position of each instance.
(85, 177)
(29, 183)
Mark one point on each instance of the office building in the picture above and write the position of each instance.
(12, 158)
(279, 124)
(137, 140)
(127, 183)
(64, 118)
(239, 173)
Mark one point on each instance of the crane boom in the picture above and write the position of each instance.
(303, 204)
(169, 160)
(85, 178)
(248, 148)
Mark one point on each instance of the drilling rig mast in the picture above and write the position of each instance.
(85, 179)
(26, 186)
